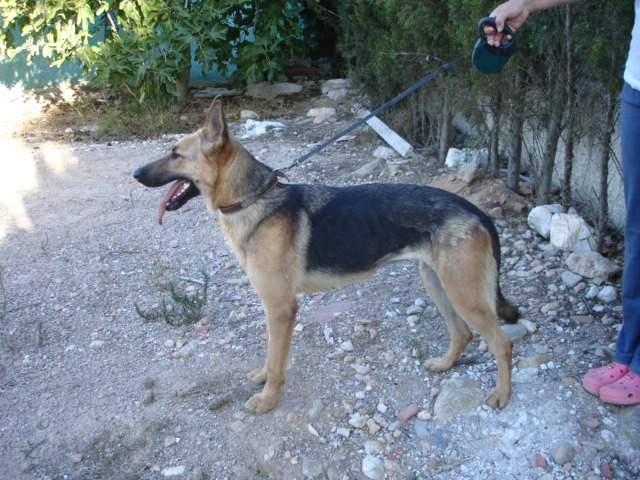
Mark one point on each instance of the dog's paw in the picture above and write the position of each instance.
(260, 403)
(497, 398)
(259, 375)
(437, 364)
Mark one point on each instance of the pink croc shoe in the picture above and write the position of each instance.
(597, 378)
(626, 391)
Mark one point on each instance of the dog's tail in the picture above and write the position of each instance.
(506, 310)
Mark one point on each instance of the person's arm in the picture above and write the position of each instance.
(514, 13)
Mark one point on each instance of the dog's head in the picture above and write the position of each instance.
(193, 164)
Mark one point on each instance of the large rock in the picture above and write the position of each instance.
(335, 88)
(572, 233)
(539, 218)
(457, 158)
(459, 395)
(591, 265)
(322, 114)
(269, 91)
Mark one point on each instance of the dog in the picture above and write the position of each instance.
(305, 238)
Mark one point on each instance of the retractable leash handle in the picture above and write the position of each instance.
(487, 58)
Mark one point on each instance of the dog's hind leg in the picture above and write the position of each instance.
(459, 333)
(469, 274)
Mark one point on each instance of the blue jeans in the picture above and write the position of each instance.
(628, 345)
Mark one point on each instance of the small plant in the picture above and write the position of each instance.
(3, 312)
(3, 297)
(185, 309)
(44, 245)
(418, 350)
(41, 333)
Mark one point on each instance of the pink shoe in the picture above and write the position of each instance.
(597, 378)
(625, 391)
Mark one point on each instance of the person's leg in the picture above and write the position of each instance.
(628, 345)
(626, 390)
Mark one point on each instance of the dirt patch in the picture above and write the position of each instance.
(90, 391)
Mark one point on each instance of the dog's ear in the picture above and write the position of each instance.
(215, 125)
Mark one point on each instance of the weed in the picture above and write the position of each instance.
(44, 245)
(3, 297)
(185, 309)
(40, 328)
(3, 312)
(418, 350)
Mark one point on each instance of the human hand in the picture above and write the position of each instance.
(513, 13)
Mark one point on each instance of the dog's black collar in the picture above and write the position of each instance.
(237, 207)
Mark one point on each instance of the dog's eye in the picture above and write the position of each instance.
(174, 155)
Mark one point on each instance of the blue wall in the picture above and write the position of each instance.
(16, 73)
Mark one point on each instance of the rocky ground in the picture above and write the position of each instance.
(88, 390)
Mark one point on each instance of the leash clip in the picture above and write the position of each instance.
(280, 174)
(487, 58)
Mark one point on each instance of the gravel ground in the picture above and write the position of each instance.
(88, 390)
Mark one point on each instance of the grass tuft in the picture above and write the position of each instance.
(184, 309)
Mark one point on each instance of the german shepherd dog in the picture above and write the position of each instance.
(305, 238)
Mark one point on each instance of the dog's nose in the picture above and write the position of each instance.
(137, 173)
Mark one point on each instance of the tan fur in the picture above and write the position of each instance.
(458, 266)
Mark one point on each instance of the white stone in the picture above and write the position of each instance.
(570, 279)
(528, 324)
(591, 265)
(373, 446)
(96, 345)
(358, 421)
(368, 169)
(608, 294)
(244, 114)
(373, 467)
(539, 218)
(173, 471)
(459, 395)
(255, 128)
(468, 174)
(384, 153)
(311, 468)
(361, 369)
(592, 292)
(189, 349)
(572, 233)
(322, 114)
(457, 158)
(334, 84)
(347, 346)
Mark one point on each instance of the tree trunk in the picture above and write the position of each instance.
(551, 146)
(182, 85)
(603, 190)
(515, 154)
(571, 101)
(445, 131)
(515, 148)
(494, 136)
(609, 127)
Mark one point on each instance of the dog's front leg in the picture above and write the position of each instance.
(280, 322)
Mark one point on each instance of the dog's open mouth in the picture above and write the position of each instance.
(180, 193)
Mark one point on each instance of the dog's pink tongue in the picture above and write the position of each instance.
(168, 196)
